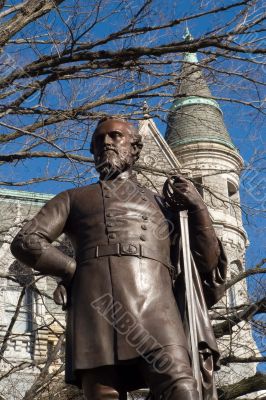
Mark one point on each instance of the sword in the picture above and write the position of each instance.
(168, 192)
(190, 296)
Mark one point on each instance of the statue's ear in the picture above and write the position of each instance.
(136, 149)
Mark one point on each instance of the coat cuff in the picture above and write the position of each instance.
(53, 262)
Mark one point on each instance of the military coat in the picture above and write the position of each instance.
(121, 303)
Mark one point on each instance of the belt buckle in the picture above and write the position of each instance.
(129, 249)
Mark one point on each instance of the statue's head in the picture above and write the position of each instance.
(116, 145)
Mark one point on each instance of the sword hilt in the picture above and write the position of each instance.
(171, 195)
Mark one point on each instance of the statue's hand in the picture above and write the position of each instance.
(186, 194)
(60, 296)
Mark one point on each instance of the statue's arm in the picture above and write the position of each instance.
(33, 243)
(209, 255)
(203, 241)
(207, 250)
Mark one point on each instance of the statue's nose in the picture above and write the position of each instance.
(108, 139)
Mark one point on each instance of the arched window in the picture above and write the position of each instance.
(233, 197)
(235, 268)
(232, 299)
(11, 296)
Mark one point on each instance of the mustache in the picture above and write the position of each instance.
(109, 147)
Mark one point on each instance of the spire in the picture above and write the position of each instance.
(145, 109)
(192, 81)
(194, 115)
(187, 35)
(189, 57)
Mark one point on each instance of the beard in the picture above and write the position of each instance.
(112, 162)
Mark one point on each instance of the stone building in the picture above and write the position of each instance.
(198, 145)
(38, 321)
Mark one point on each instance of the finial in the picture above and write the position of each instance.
(187, 35)
(189, 57)
(145, 109)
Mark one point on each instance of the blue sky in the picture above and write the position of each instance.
(245, 124)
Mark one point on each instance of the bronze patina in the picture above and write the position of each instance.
(124, 290)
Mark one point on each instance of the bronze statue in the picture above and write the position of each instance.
(124, 329)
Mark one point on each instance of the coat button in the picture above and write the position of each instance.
(144, 198)
(142, 237)
(109, 224)
(145, 217)
(112, 236)
(144, 227)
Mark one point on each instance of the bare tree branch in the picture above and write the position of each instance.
(27, 12)
(249, 272)
(245, 386)
(225, 328)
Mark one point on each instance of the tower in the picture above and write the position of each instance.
(198, 137)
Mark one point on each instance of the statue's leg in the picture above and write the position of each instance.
(168, 374)
(95, 391)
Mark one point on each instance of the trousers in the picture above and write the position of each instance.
(166, 372)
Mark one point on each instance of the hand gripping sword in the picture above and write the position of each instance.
(190, 291)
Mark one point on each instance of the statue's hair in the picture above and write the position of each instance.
(136, 138)
(103, 119)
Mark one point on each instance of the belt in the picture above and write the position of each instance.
(130, 249)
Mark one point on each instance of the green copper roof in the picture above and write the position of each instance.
(187, 101)
(195, 123)
(191, 58)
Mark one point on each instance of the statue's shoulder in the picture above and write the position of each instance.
(83, 190)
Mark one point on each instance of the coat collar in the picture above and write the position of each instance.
(124, 176)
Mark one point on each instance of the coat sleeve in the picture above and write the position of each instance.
(213, 283)
(33, 244)
(213, 280)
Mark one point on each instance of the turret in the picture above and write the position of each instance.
(197, 135)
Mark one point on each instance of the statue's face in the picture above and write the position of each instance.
(112, 148)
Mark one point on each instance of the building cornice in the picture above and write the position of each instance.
(209, 149)
(191, 140)
(25, 197)
(229, 226)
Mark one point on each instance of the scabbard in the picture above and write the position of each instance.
(190, 297)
